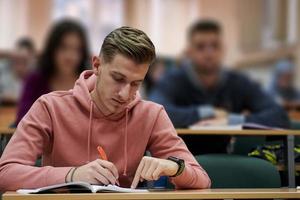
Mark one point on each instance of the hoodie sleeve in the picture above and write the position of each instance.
(165, 142)
(31, 139)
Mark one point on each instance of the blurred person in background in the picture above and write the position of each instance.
(156, 71)
(282, 84)
(26, 49)
(13, 74)
(64, 57)
(203, 93)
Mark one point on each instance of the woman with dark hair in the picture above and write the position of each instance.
(64, 57)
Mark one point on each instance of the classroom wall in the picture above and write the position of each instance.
(226, 14)
(165, 21)
(40, 19)
(19, 18)
(13, 21)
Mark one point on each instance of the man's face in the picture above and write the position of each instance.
(285, 80)
(117, 81)
(206, 52)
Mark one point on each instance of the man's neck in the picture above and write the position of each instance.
(209, 81)
(99, 103)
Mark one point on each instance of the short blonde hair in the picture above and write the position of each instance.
(130, 42)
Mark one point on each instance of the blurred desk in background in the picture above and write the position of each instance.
(239, 132)
(7, 118)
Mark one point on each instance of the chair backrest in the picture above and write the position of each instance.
(235, 171)
(295, 125)
(244, 144)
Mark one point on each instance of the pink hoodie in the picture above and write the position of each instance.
(65, 127)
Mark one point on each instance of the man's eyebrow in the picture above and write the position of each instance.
(123, 76)
(119, 74)
(138, 81)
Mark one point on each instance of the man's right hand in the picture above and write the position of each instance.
(96, 172)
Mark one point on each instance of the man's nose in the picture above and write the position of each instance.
(125, 92)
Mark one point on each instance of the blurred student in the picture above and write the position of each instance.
(64, 57)
(26, 49)
(13, 74)
(104, 108)
(204, 93)
(282, 84)
(156, 71)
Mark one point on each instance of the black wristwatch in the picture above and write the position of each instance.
(180, 163)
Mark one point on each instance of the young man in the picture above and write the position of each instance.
(104, 109)
(202, 92)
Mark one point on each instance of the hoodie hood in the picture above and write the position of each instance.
(82, 92)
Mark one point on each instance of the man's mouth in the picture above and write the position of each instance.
(119, 102)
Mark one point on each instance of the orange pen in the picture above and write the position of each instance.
(103, 156)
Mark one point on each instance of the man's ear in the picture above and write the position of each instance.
(188, 49)
(96, 64)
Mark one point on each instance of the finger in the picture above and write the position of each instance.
(100, 178)
(157, 172)
(137, 174)
(151, 169)
(106, 173)
(110, 166)
(145, 168)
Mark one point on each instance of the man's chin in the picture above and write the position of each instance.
(209, 70)
(116, 109)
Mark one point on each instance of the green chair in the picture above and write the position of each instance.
(244, 144)
(295, 125)
(235, 171)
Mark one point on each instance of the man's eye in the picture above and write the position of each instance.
(118, 79)
(135, 84)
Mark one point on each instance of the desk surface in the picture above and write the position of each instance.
(238, 132)
(5, 130)
(180, 194)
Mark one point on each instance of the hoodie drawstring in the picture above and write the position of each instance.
(90, 131)
(124, 136)
(125, 143)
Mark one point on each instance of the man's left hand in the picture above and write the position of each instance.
(152, 168)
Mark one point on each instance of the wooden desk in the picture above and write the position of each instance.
(239, 132)
(7, 116)
(180, 194)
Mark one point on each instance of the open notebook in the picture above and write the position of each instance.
(78, 187)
